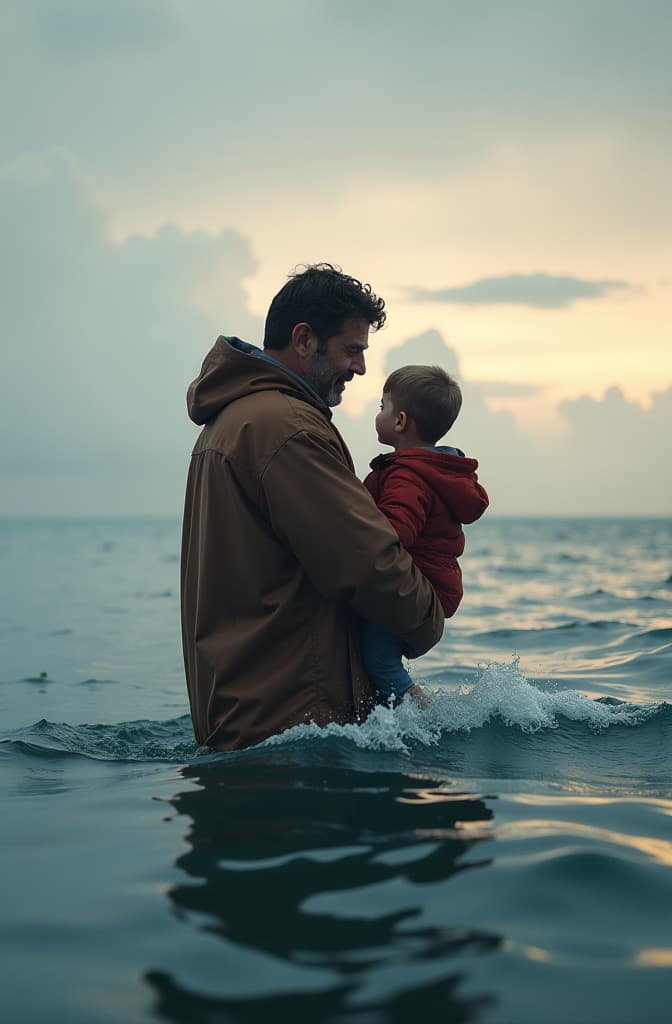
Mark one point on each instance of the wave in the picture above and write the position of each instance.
(612, 643)
(501, 694)
(500, 703)
(562, 632)
(613, 598)
(520, 570)
(142, 740)
(606, 624)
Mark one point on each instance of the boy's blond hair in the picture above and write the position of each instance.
(429, 395)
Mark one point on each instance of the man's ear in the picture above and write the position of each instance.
(401, 423)
(303, 340)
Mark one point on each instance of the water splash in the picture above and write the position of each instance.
(500, 696)
(500, 693)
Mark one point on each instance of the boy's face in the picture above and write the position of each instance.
(386, 420)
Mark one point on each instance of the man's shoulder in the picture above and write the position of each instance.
(253, 430)
(256, 426)
(282, 414)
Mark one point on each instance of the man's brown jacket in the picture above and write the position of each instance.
(282, 550)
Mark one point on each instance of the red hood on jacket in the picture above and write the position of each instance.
(452, 477)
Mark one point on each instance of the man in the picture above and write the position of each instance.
(283, 548)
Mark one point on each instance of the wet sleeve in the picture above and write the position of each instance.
(320, 510)
(405, 504)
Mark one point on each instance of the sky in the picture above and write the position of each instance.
(498, 170)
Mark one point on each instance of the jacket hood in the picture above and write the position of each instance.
(451, 476)
(233, 369)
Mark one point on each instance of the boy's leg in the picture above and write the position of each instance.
(381, 653)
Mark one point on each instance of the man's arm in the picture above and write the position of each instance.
(328, 519)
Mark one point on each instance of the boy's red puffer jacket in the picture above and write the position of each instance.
(427, 493)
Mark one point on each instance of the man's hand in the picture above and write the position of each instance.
(418, 695)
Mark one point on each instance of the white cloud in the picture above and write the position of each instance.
(100, 342)
(540, 291)
(606, 462)
(164, 95)
(81, 27)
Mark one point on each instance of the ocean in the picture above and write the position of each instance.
(503, 856)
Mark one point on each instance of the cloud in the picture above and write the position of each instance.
(610, 458)
(541, 291)
(606, 462)
(80, 27)
(479, 431)
(100, 342)
(506, 389)
(192, 88)
(428, 348)
(623, 430)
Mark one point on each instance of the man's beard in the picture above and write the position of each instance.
(322, 378)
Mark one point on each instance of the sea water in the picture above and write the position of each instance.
(503, 856)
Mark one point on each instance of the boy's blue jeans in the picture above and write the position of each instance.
(381, 654)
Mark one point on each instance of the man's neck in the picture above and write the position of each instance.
(270, 353)
(286, 357)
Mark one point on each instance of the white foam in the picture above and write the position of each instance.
(500, 692)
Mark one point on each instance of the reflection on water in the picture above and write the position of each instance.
(265, 838)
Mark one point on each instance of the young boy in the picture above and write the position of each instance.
(427, 492)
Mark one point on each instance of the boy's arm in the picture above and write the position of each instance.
(405, 503)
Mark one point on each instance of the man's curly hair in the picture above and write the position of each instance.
(324, 297)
